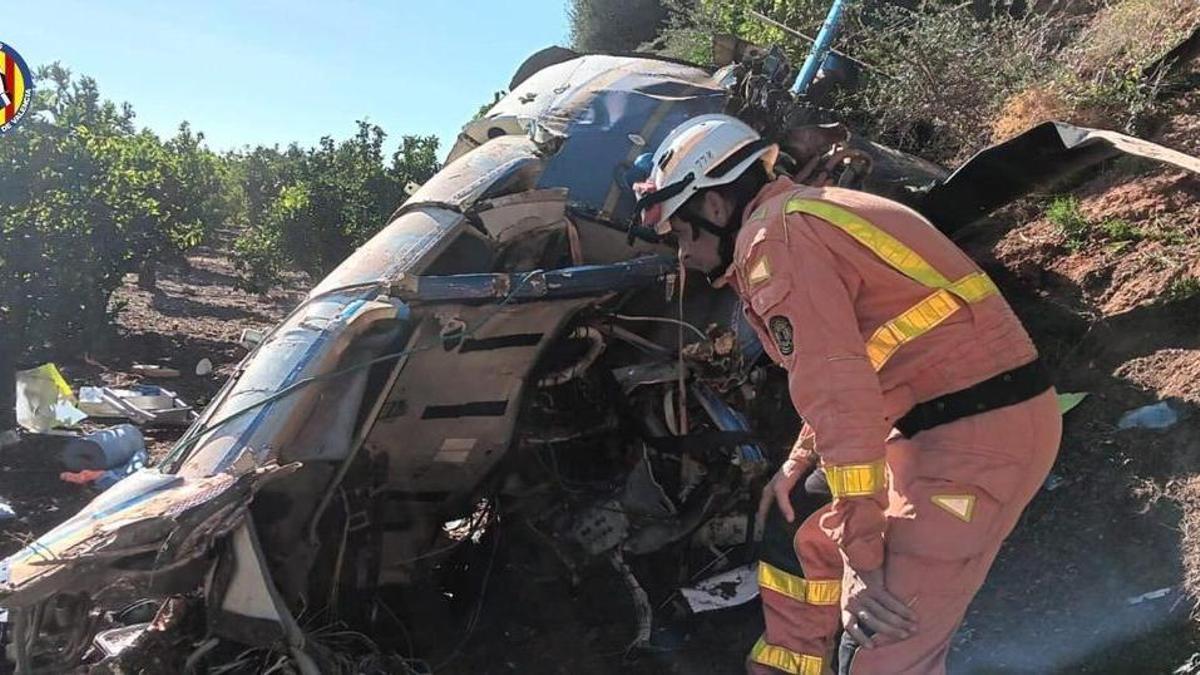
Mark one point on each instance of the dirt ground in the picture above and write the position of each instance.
(1119, 519)
(195, 312)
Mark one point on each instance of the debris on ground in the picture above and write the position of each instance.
(1152, 595)
(154, 370)
(1160, 415)
(1068, 402)
(204, 366)
(141, 403)
(104, 449)
(659, 505)
(251, 338)
(103, 479)
(45, 400)
(6, 511)
(84, 477)
(1053, 482)
(727, 589)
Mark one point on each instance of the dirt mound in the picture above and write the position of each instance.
(1103, 572)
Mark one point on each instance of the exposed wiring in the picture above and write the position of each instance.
(474, 620)
(193, 437)
(663, 319)
(574, 370)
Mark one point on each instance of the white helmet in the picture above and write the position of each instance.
(701, 153)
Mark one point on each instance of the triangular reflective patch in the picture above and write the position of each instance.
(760, 272)
(959, 506)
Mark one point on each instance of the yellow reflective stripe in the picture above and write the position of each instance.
(856, 480)
(921, 317)
(809, 591)
(785, 659)
(890, 249)
(974, 287)
(925, 316)
(912, 324)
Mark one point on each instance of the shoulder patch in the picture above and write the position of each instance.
(781, 332)
(760, 271)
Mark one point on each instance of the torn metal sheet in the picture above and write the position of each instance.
(116, 640)
(142, 403)
(1046, 153)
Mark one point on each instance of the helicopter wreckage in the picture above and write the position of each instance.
(507, 352)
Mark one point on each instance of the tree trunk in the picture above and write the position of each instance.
(148, 274)
(8, 383)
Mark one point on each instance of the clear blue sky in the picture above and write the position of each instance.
(270, 71)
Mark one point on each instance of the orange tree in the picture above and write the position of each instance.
(84, 199)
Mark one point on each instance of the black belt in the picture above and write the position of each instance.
(1008, 388)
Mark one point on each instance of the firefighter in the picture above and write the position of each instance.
(929, 420)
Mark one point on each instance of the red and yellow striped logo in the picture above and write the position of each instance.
(16, 84)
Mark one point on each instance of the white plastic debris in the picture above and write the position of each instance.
(1161, 415)
(1152, 595)
(45, 400)
(251, 338)
(1053, 482)
(6, 511)
(154, 370)
(204, 367)
(116, 640)
(728, 589)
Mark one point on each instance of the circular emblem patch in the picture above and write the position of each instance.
(16, 87)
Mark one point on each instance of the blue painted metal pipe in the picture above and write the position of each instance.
(567, 282)
(728, 419)
(820, 50)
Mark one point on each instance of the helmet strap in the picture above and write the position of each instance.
(726, 238)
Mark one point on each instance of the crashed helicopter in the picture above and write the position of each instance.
(509, 347)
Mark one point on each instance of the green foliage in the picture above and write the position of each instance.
(1182, 288)
(85, 199)
(496, 96)
(1064, 212)
(947, 74)
(1120, 230)
(614, 25)
(692, 24)
(307, 209)
(1078, 230)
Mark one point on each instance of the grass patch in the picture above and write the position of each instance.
(1120, 230)
(1065, 214)
(1182, 288)
(1078, 230)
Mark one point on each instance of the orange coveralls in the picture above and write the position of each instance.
(872, 310)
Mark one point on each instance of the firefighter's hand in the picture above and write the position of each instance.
(868, 608)
(779, 489)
